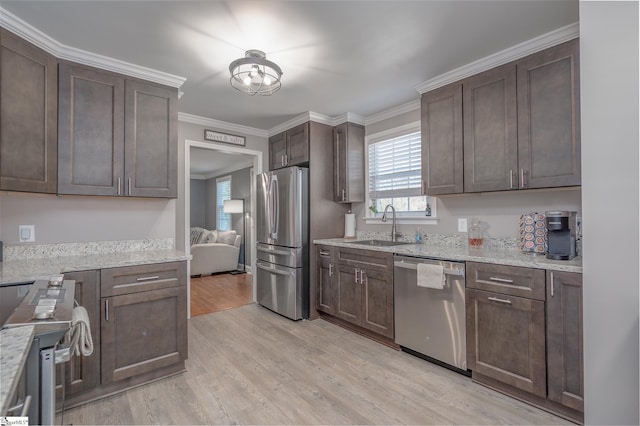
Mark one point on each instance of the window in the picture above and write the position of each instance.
(394, 174)
(223, 192)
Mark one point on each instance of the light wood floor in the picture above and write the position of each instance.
(219, 292)
(251, 366)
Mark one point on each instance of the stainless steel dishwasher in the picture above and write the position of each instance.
(429, 322)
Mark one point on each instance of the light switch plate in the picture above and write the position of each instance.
(462, 224)
(27, 233)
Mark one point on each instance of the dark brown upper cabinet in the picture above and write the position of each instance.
(117, 136)
(28, 116)
(289, 148)
(442, 146)
(549, 117)
(348, 163)
(521, 127)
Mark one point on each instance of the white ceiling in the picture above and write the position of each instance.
(362, 57)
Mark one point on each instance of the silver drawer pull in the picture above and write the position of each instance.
(501, 280)
(324, 253)
(272, 251)
(273, 270)
(148, 278)
(495, 299)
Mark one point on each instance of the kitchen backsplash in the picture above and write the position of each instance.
(451, 240)
(36, 251)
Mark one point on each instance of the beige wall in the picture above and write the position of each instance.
(59, 219)
(501, 210)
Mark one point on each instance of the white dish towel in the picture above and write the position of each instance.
(79, 336)
(430, 276)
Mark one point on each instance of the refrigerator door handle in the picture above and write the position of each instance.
(273, 207)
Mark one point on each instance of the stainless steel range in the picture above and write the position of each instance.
(48, 307)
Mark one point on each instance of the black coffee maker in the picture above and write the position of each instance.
(561, 227)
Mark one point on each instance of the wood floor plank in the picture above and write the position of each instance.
(251, 366)
(219, 292)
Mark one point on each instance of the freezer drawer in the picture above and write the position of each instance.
(284, 256)
(281, 289)
(431, 321)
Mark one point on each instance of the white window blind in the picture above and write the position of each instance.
(394, 167)
(223, 192)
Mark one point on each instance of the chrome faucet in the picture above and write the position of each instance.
(394, 234)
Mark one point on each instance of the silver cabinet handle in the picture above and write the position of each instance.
(523, 183)
(322, 253)
(331, 269)
(129, 185)
(356, 275)
(119, 186)
(511, 179)
(501, 280)
(148, 278)
(344, 195)
(106, 309)
(23, 407)
(551, 279)
(361, 276)
(282, 160)
(495, 299)
(423, 187)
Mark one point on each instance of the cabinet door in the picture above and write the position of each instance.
(348, 294)
(348, 163)
(28, 117)
(277, 151)
(142, 332)
(151, 140)
(82, 373)
(298, 145)
(377, 302)
(490, 130)
(442, 159)
(564, 339)
(91, 131)
(326, 288)
(506, 339)
(549, 117)
(340, 163)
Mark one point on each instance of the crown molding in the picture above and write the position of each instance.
(221, 125)
(392, 112)
(34, 36)
(348, 117)
(518, 51)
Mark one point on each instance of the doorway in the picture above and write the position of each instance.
(206, 163)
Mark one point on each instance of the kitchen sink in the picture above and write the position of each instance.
(380, 243)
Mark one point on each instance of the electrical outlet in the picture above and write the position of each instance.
(27, 233)
(462, 224)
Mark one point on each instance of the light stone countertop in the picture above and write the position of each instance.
(29, 270)
(510, 257)
(14, 348)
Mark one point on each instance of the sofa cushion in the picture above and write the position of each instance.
(196, 234)
(209, 237)
(227, 237)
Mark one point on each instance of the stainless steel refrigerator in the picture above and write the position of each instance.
(282, 240)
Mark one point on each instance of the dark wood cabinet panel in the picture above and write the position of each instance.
(490, 130)
(348, 295)
(91, 131)
(298, 145)
(28, 116)
(142, 332)
(511, 280)
(442, 144)
(549, 117)
(565, 362)
(506, 339)
(132, 279)
(326, 282)
(82, 373)
(277, 151)
(348, 163)
(377, 300)
(151, 135)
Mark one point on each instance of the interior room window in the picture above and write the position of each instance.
(395, 176)
(223, 192)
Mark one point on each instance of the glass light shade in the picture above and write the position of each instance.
(233, 206)
(254, 74)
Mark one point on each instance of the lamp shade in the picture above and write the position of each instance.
(233, 206)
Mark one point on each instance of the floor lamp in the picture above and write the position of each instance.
(236, 205)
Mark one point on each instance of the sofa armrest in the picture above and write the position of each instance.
(213, 257)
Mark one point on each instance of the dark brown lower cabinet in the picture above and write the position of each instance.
(142, 332)
(565, 362)
(326, 284)
(82, 373)
(506, 339)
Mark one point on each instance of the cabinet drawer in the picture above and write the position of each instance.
(134, 279)
(511, 280)
(325, 252)
(367, 259)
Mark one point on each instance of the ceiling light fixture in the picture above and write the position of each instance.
(254, 74)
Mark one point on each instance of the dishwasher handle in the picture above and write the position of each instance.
(414, 266)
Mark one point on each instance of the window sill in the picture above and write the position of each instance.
(416, 220)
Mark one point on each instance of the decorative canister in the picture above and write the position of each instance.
(533, 233)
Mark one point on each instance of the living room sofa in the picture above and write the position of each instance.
(214, 251)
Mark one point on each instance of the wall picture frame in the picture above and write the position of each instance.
(212, 135)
